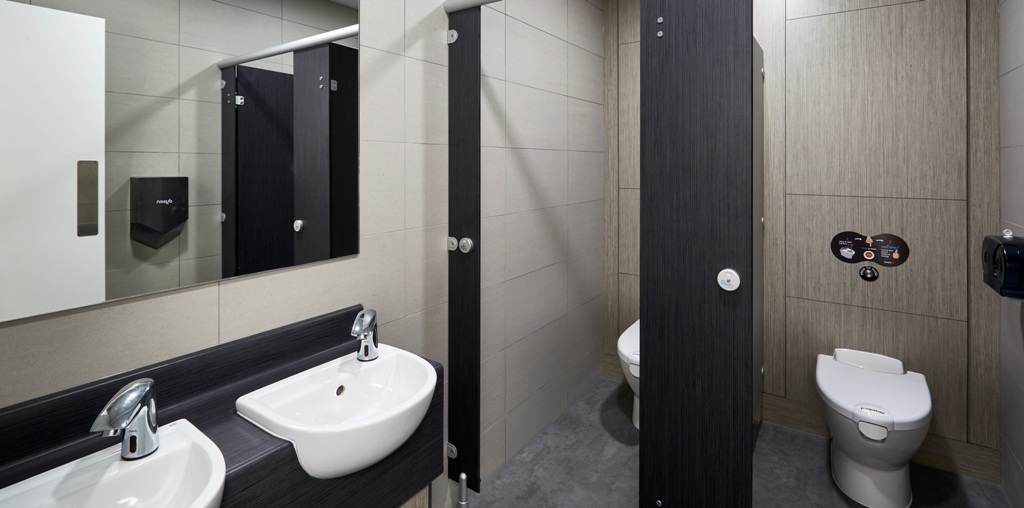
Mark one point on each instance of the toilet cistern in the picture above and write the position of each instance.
(131, 413)
(365, 330)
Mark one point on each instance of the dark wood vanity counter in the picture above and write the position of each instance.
(202, 387)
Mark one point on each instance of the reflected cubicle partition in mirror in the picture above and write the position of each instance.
(155, 76)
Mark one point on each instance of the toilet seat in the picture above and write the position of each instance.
(629, 348)
(885, 398)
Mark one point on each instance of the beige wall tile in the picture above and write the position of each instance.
(582, 375)
(136, 123)
(586, 177)
(586, 126)
(492, 112)
(492, 390)
(535, 300)
(426, 31)
(121, 166)
(552, 16)
(586, 227)
(381, 96)
(1011, 35)
(1011, 340)
(535, 58)
(535, 179)
(91, 343)
(202, 234)
(199, 127)
(586, 329)
(492, 181)
(378, 27)
(629, 115)
(320, 14)
(200, 270)
(492, 449)
(204, 177)
(535, 239)
(1013, 476)
(586, 75)
(533, 361)
(426, 268)
(492, 251)
(199, 75)
(426, 185)
(528, 419)
(423, 333)
(426, 102)
(292, 31)
(141, 66)
(375, 278)
(629, 301)
(223, 28)
(586, 277)
(268, 7)
(1011, 175)
(492, 321)
(151, 19)
(586, 26)
(492, 43)
(381, 187)
(1011, 108)
(629, 231)
(536, 119)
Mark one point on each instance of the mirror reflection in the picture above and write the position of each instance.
(147, 108)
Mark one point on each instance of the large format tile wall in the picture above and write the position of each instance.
(163, 115)
(542, 239)
(622, 177)
(1011, 142)
(867, 130)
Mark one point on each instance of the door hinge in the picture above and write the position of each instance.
(239, 100)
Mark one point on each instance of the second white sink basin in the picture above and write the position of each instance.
(186, 471)
(345, 415)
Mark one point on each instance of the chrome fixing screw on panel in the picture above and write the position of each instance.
(466, 245)
(452, 36)
(453, 243)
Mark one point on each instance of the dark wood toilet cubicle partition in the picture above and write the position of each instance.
(290, 152)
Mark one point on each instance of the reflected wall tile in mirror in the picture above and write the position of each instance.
(426, 102)
(204, 177)
(142, 280)
(137, 123)
(202, 234)
(492, 44)
(426, 268)
(378, 28)
(381, 96)
(426, 185)
(224, 28)
(267, 300)
(123, 165)
(426, 28)
(141, 66)
(200, 270)
(123, 253)
(321, 14)
(151, 19)
(381, 187)
(200, 127)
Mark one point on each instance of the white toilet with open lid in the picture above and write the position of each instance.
(879, 415)
(629, 360)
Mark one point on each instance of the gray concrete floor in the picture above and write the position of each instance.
(590, 457)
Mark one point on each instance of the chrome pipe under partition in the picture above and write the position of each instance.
(288, 47)
(451, 6)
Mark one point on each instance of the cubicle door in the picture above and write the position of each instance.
(51, 160)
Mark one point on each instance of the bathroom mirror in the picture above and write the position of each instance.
(162, 96)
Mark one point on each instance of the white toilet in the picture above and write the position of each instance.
(629, 360)
(878, 414)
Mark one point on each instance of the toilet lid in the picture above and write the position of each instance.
(895, 401)
(629, 344)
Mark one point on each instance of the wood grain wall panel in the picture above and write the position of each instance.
(629, 301)
(611, 174)
(770, 32)
(931, 282)
(934, 347)
(629, 231)
(629, 116)
(875, 102)
(806, 8)
(982, 219)
(629, 21)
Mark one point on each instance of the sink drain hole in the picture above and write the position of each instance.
(340, 390)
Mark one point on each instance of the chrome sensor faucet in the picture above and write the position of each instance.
(131, 412)
(365, 329)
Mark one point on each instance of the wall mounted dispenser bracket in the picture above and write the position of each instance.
(159, 209)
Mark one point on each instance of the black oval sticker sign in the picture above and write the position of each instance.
(884, 249)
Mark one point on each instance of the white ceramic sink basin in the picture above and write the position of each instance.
(345, 415)
(186, 471)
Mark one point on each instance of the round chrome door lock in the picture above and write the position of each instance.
(298, 225)
(466, 245)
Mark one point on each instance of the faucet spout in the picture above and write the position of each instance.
(131, 413)
(365, 329)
